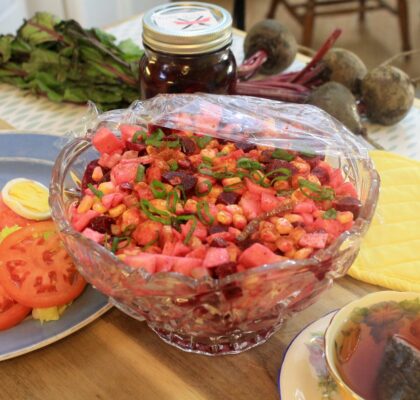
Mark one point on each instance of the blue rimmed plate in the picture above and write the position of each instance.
(32, 156)
(303, 373)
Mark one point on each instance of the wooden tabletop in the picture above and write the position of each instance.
(117, 357)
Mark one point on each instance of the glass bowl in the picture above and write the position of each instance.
(206, 315)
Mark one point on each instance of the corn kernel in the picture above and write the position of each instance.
(268, 235)
(296, 234)
(228, 148)
(190, 206)
(151, 150)
(210, 153)
(281, 185)
(99, 207)
(160, 204)
(224, 217)
(290, 253)
(97, 174)
(294, 218)
(283, 226)
(344, 217)
(303, 253)
(106, 187)
(231, 181)
(115, 230)
(233, 252)
(195, 242)
(285, 245)
(85, 204)
(117, 211)
(302, 166)
(239, 221)
(215, 191)
(313, 179)
(234, 209)
(297, 196)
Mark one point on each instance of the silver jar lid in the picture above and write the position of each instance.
(187, 28)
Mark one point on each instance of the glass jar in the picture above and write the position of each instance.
(187, 50)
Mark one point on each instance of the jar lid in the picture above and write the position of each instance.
(187, 28)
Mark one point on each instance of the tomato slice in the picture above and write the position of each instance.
(35, 268)
(10, 218)
(11, 313)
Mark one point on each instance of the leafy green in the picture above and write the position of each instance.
(63, 61)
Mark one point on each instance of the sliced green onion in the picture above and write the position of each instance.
(247, 163)
(209, 187)
(172, 200)
(173, 144)
(205, 169)
(116, 243)
(207, 218)
(155, 214)
(203, 141)
(320, 193)
(233, 187)
(259, 180)
(193, 226)
(139, 173)
(151, 243)
(207, 160)
(137, 135)
(221, 154)
(308, 153)
(173, 165)
(158, 189)
(95, 191)
(182, 190)
(282, 155)
(155, 139)
(330, 214)
(285, 171)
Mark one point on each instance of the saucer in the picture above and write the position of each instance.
(303, 374)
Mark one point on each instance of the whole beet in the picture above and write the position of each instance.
(279, 43)
(337, 100)
(388, 94)
(346, 68)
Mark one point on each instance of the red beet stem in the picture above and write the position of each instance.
(320, 53)
(311, 75)
(270, 93)
(251, 65)
(274, 84)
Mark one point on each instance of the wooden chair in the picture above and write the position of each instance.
(306, 11)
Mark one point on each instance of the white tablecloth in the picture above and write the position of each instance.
(27, 112)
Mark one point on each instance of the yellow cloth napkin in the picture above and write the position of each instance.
(390, 252)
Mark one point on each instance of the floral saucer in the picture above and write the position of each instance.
(303, 374)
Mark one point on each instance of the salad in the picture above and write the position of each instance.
(171, 200)
(36, 273)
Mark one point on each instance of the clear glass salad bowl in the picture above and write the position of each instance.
(206, 315)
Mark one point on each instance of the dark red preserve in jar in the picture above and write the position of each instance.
(187, 50)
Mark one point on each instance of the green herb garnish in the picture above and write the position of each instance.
(137, 135)
(207, 160)
(173, 165)
(207, 218)
(172, 200)
(330, 214)
(95, 191)
(319, 193)
(155, 139)
(203, 141)
(139, 173)
(282, 155)
(247, 163)
(286, 174)
(193, 225)
(158, 189)
(155, 214)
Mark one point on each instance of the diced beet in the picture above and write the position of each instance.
(245, 146)
(321, 174)
(186, 180)
(232, 291)
(223, 270)
(219, 242)
(228, 198)
(188, 145)
(101, 224)
(348, 203)
(87, 176)
(276, 164)
(140, 147)
(266, 156)
(312, 161)
(217, 229)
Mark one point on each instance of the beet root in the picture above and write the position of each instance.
(338, 101)
(276, 40)
(388, 94)
(346, 68)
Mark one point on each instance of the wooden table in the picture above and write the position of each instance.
(117, 357)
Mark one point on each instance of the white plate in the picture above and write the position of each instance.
(303, 374)
(32, 156)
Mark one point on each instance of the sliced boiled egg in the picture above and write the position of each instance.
(27, 198)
